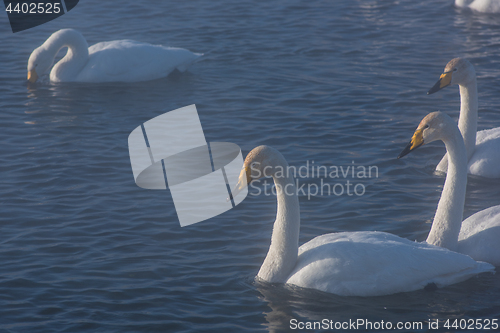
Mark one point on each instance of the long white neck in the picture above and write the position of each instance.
(467, 122)
(449, 213)
(74, 60)
(283, 252)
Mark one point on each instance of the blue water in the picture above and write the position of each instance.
(82, 248)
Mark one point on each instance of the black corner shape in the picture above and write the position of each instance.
(70, 4)
(26, 14)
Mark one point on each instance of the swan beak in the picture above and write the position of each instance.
(416, 141)
(444, 81)
(243, 180)
(32, 76)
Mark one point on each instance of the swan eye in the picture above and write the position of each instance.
(455, 69)
(426, 126)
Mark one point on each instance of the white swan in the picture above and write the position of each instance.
(483, 149)
(482, 6)
(115, 61)
(346, 263)
(479, 236)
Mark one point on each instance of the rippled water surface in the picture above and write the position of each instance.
(82, 248)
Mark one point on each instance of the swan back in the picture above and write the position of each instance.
(370, 263)
(482, 6)
(486, 159)
(132, 61)
(480, 236)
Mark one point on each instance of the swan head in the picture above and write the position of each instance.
(260, 162)
(434, 126)
(458, 71)
(39, 63)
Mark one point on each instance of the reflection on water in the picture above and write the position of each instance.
(290, 304)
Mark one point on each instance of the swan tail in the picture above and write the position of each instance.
(184, 66)
(456, 277)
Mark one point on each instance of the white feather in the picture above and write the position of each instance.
(115, 61)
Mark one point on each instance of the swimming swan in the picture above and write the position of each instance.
(479, 235)
(483, 149)
(365, 263)
(115, 61)
(483, 6)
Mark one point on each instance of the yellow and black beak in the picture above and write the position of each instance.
(444, 81)
(243, 180)
(416, 141)
(32, 76)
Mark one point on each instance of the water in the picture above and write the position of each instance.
(84, 249)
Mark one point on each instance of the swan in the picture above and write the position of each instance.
(365, 263)
(478, 236)
(483, 149)
(115, 61)
(482, 6)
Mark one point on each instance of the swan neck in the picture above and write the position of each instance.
(448, 219)
(283, 251)
(74, 60)
(467, 122)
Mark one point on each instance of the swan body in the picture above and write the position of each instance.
(346, 263)
(482, 6)
(485, 161)
(483, 147)
(377, 263)
(479, 235)
(115, 61)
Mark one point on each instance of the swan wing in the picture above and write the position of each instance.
(485, 161)
(377, 263)
(480, 236)
(131, 61)
(486, 6)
